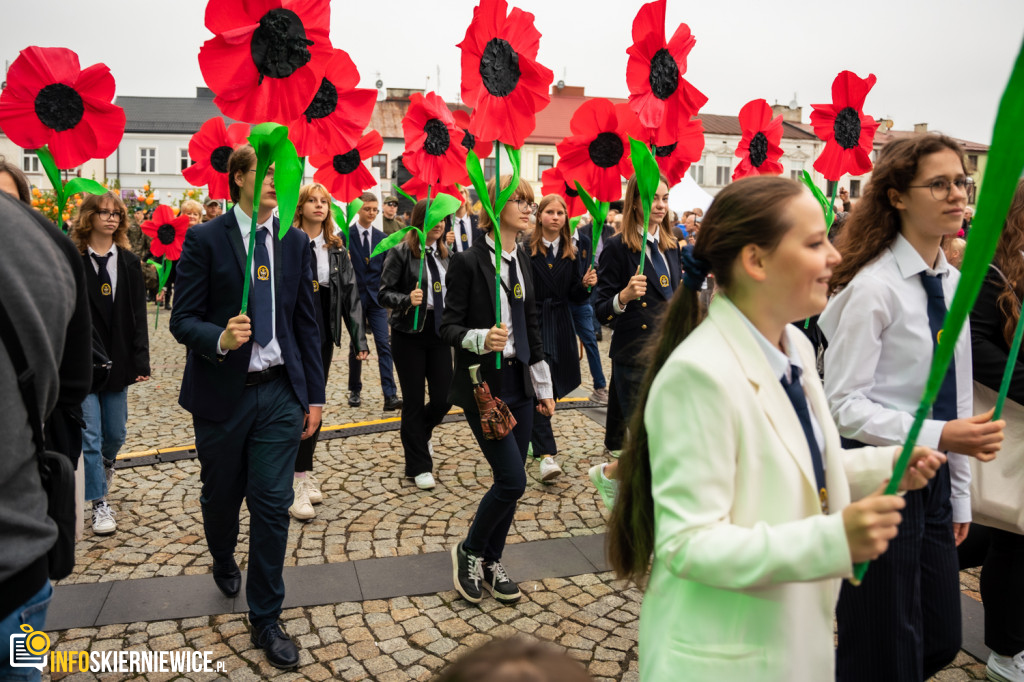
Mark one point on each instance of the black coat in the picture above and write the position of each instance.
(989, 349)
(123, 329)
(556, 287)
(639, 321)
(470, 305)
(367, 269)
(400, 276)
(344, 303)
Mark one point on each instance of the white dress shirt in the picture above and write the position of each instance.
(368, 233)
(653, 240)
(428, 280)
(552, 245)
(463, 226)
(111, 266)
(322, 265)
(880, 353)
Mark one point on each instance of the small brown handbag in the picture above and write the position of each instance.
(496, 420)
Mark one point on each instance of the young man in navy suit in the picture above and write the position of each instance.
(363, 238)
(254, 385)
(464, 229)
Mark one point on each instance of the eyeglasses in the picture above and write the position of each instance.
(391, 203)
(369, 209)
(525, 205)
(940, 187)
(107, 215)
(269, 177)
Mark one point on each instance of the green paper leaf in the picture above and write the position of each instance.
(76, 185)
(647, 178)
(441, 206)
(826, 205)
(573, 222)
(392, 240)
(405, 194)
(163, 271)
(50, 166)
(476, 176)
(598, 211)
(340, 219)
(503, 196)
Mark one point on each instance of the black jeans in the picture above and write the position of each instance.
(304, 460)
(507, 458)
(1001, 557)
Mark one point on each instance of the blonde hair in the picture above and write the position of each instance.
(91, 205)
(190, 204)
(330, 238)
(536, 243)
(523, 190)
(631, 227)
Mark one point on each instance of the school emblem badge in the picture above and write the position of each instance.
(263, 273)
(938, 337)
(464, 237)
(663, 281)
(105, 289)
(517, 291)
(437, 287)
(316, 286)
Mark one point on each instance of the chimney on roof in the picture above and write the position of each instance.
(204, 93)
(921, 128)
(884, 125)
(792, 112)
(402, 94)
(560, 89)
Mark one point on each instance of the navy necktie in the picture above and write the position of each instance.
(551, 256)
(261, 310)
(314, 266)
(366, 245)
(437, 299)
(106, 287)
(944, 408)
(658, 263)
(795, 392)
(517, 305)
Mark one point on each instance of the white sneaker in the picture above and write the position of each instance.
(549, 469)
(599, 395)
(605, 486)
(425, 481)
(430, 446)
(103, 522)
(301, 508)
(1005, 668)
(313, 489)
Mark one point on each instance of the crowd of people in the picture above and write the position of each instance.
(746, 457)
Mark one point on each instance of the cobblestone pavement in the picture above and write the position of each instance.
(369, 511)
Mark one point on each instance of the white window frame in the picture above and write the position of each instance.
(142, 169)
(540, 169)
(796, 169)
(183, 157)
(30, 162)
(380, 171)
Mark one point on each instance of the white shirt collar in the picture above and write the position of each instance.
(779, 361)
(507, 256)
(656, 237)
(319, 240)
(554, 244)
(910, 263)
(244, 221)
(112, 252)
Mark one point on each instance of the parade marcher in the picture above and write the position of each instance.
(522, 381)
(560, 278)
(584, 321)
(733, 476)
(633, 302)
(212, 209)
(389, 220)
(894, 285)
(465, 227)
(14, 182)
(363, 238)
(117, 298)
(421, 355)
(254, 385)
(336, 301)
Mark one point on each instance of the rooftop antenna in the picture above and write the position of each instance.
(794, 104)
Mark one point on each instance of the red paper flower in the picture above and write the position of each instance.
(483, 148)
(500, 75)
(338, 114)
(50, 101)
(674, 155)
(552, 182)
(209, 149)
(597, 154)
(345, 175)
(848, 134)
(759, 149)
(417, 188)
(433, 149)
(168, 232)
(658, 93)
(267, 59)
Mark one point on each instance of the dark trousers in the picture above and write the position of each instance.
(622, 395)
(507, 458)
(304, 460)
(542, 437)
(1001, 557)
(422, 359)
(903, 623)
(377, 321)
(251, 455)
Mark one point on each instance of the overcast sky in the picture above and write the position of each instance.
(942, 62)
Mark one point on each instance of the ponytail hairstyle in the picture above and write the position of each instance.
(749, 211)
(874, 222)
(1009, 261)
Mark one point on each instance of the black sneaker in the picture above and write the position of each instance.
(354, 400)
(466, 573)
(501, 587)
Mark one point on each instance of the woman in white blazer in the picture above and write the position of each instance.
(747, 508)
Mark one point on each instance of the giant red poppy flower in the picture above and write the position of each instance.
(209, 149)
(759, 149)
(167, 232)
(267, 59)
(344, 174)
(483, 148)
(673, 154)
(597, 153)
(433, 143)
(848, 134)
(500, 75)
(415, 187)
(658, 93)
(49, 100)
(339, 112)
(552, 182)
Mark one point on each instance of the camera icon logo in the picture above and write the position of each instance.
(29, 649)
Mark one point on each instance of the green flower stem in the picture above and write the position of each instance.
(829, 213)
(1011, 362)
(423, 256)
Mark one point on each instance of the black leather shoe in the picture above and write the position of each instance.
(393, 403)
(228, 578)
(279, 648)
(354, 400)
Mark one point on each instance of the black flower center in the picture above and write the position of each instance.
(570, 192)
(438, 139)
(847, 128)
(166, 234)
(664, 76)
(59, 106)
(468, 141)
(758, 150)
(219, 158)
(324, 103)
(347, 162)
(499, 67)
(665, 150)
(606, 150)
(279, 45)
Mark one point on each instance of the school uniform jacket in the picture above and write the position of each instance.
(368, 270)
(400, 276)
(745, 572)
(556, 287)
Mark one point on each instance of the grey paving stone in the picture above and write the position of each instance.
(973, 616)
(76, 606)
(592, 547)
(404, 576)
(150, 599)
(544, 559)
(320, 584)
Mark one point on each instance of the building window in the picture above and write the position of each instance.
(186, 161)
(147, 159)
(697, 173)
(723, 171)
(830, 188)
(855, 189)
(972, 162)
(544, 162)
(796, 170)
(488, 169)
(380, 162)
(29, 162)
